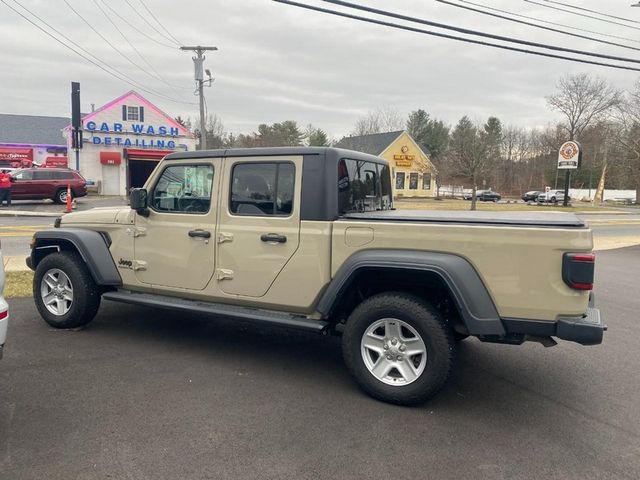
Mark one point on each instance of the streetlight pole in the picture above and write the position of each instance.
(199, 78)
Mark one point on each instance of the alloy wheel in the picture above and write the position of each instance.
(393, 352)
(56, 291)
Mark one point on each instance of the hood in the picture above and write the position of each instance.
(94, 215)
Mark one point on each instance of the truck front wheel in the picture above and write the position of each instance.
(64, 291)
(398, 348)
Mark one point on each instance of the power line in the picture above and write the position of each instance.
(548, 22)
(141, 32)
(563, 32)
(592, 11)
(157, 75)
(158, 22)
(106, 40)
(149, 23)
(477, 33)
(451, 37)
(97, 62)
(580, 14)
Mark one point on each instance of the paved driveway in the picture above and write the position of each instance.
(148, 394)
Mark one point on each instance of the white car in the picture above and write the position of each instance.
(4, 308)
(552, 196)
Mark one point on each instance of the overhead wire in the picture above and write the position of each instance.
(592, 11)
(106, 40)
(549, 22)
(159, 23)
(556, 30)
(580, 14)
(477, 33)
(150, 24)
(450, 37)
(137, 29)
(87, 56)
(157, 74)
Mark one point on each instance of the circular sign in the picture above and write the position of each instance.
(404, 149)
(569, 150)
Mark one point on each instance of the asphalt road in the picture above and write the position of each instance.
(146, 394)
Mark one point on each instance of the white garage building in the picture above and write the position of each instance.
(124, 140)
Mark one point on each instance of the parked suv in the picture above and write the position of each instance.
(552, 196)
(40, 183)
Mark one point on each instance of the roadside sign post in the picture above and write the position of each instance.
(569, 158)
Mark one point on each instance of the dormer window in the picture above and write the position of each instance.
(132, 113)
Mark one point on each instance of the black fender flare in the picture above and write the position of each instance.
(92, 247)
(471, 296)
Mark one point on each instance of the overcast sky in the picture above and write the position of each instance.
(278, 62)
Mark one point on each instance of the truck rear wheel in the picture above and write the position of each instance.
(64, 291)
(398, 348)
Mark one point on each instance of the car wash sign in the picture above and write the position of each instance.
(115, 134)
(570, 156)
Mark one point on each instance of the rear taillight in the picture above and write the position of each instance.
(577, 270)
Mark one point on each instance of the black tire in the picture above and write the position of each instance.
(554, 200)
(85, 295)
(426, 321)
(61, 196)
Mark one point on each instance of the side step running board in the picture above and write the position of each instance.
(241, 313)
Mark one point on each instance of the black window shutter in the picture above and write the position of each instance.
(124, 113)
(142, 114)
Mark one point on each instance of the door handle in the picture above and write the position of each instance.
(199, 233)
(273, 238)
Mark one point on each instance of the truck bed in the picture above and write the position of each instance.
(514, 219)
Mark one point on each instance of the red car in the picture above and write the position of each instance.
(40, 183)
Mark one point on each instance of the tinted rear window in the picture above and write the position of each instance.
(63, 175)
(363, 186)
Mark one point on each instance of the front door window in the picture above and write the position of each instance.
(183, 189)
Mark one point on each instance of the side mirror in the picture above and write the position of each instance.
(138, 201)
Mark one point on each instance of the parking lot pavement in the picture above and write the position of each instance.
(49, 208)
(151, 394)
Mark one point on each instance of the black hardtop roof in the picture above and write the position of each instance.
(275, 151)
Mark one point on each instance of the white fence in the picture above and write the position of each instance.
(586, 194)
(577, 194)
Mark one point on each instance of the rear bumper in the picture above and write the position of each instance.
(586, 330)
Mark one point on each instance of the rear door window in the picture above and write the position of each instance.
(42, 175)
(262, 189)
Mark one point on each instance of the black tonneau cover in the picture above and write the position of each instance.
(517, 219)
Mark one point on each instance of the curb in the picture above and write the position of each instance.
(15, 263)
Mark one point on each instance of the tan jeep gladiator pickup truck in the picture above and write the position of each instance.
(308, 238)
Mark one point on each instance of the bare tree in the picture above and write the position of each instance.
(582, 99)
(628, 136)
(469, 153)
(382, 119)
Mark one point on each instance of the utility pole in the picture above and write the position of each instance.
(199, 78)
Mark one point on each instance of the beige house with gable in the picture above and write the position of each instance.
(412, 172)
